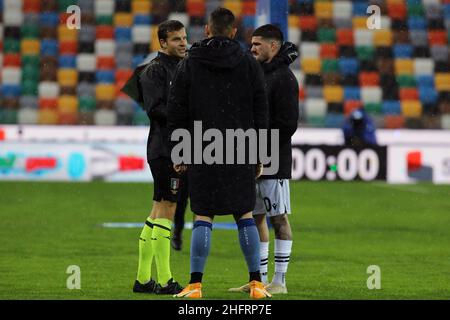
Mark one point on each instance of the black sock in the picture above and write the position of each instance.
(255, 276)
(196, 277)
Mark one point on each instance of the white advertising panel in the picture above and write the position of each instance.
(414, 163)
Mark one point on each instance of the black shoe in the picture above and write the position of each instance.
(171, 288)
(149, 287)
(176, 242)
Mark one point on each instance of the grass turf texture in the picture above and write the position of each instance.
(339, 230)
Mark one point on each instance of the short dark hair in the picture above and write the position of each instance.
(269, 31)
(168, 26)
(221, 21)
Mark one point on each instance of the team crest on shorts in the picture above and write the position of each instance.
(174, 185)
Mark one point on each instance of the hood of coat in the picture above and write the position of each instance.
(287, 54)
(217, 53)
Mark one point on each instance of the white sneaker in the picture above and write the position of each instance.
(276, 288)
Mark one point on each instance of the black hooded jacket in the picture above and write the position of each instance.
(154, 83)
(223, 86)
(282, 91)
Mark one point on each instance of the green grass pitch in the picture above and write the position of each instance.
(339, 230)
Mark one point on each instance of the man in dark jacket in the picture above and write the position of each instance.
(222, 86)
(273, 199)
(359, 129)
(153, 84)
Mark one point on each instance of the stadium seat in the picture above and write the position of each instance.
(48, 89)
(105, 62)
(140, 7)
(315, 92)
(391, 107)
(425, 81)
(373, 108)
(86, 62)
(67, 62)
(67, 77)
(105, 47)
(105, 76)
(382, 38)
(334, 120)
(104, 7)
(11, 75)
(371, 94)
(442, 81)
(67, 104)
(408, 94)
(440, 53)
(404, 66)
(417, 23)
(419, 38)
(368, 79)
(315, 107)
(105, 92)
(403, 51)
(352, 93)
(30, 101)
(428, 95)
(47, 117)
(87, 103)
(13, 18)
(105, 118)
(342, 9)
(124, 61)
(68, 118)
(405, 80)
(68, 47)
(363, 37)
(359, 22)
(333, 93)
(328, 51)
(308, 23)
(423, 66)
(27, 116)
(348, 66)
(66, 34)
(445, 122)
(311, 65)
(411, 108)
(309, 50)
(141, 34)
(394, 121)
(8, 115)
(28, 47)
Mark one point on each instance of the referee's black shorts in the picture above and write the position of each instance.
(167, 183)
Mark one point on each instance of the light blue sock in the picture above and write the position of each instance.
(249, 241)
(200, 243)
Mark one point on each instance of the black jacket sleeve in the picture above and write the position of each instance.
(153, 81)
(178, 101)
(285, 106)
(260, 102)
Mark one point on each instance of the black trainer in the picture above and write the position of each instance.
(149, 287)
(172, 287)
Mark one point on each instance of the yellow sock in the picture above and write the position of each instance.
(145, 253)
(161, 248)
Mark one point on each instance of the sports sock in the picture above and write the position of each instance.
(249, 241)
(282, 255)
(161, 248)
(264, 253)
(200, 244)
(145, 253)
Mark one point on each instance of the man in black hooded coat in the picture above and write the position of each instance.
(222, 86)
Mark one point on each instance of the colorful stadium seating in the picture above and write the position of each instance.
(55, 75)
